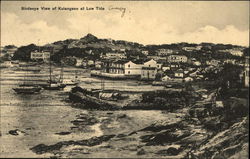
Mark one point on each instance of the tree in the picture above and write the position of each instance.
(23, 53)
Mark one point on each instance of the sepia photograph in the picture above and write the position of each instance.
(124, 79)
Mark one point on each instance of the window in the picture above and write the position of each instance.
(148, 65)
(128, 72)
(128, 65)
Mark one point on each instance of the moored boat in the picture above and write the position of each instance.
(33, 68)
(52, 83)
(70, 82)
(54, 86)
(27, 89)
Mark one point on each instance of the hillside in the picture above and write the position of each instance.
(91, 47)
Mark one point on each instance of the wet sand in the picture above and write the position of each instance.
(48, 118)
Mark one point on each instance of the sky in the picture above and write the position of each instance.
(145, 22)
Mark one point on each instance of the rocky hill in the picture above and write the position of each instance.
(91, 41)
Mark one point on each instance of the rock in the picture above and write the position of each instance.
(13, 132)
(120, 135)
(16, 132)
(42, 148)
(226, 143)
(84, 120)
(141, 152)
(162, 125)
(171, 151)
(122, 116)
(164, 137)
(63, 133)
(85, 151)
(162, 152)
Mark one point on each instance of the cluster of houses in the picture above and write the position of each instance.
(168, 71)
(165, 65)
(149, 69)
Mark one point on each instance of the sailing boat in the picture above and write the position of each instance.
(27, 88)
(54, 84)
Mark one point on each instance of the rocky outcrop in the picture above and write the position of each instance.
(42, 148)
(227, 143)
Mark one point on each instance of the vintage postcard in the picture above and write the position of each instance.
(124, 79)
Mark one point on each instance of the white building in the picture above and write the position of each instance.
(132, 68)
(44, 55)
(115, 55)
(164, 52)
(235, 52)
(166, 78)
(197, 63)
(79, 62)
(149, 70)
(188, 79)
(179, 73)
(122, 67)
(213, 62)
(192, 48)
(145, 52)
(177, 58)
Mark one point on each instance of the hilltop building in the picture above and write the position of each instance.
(164, 52)
(235, 51)
(43, 55)
(115, 55)
(177, 58)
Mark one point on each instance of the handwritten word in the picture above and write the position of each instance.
(123, 10)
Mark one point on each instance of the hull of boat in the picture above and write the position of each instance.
(27, 90)
(70, 84)
(59, 87)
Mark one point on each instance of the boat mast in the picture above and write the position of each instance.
(50, 71)
(61, 75)
(102, 84)
(76, 77)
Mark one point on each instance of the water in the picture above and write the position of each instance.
(39, 117)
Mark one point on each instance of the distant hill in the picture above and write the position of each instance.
(91, 41)
(81, 47)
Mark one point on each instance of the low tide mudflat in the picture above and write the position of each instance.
(48, 118)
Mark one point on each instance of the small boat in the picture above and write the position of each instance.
(70, 82)
(33, 68)
(27, 89)
(54, 86)
(27, 64)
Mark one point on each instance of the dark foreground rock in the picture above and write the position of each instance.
(63, 133)
(226, 144)
(16, 132)
(42, 148)
(171, 151)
